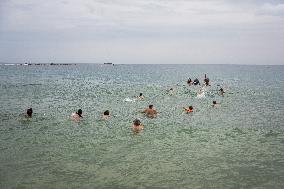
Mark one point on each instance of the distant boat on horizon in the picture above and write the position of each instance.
(108, 63)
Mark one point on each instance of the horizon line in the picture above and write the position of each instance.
(103, 63)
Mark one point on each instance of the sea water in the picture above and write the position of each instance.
(239, 144)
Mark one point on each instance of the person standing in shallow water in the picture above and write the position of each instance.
(150, 112)
(137, 126)
(206, 81)
(76, 116)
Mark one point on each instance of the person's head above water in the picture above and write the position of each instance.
(214, 102)
(79, 112)
(196, 82)
(136, 122)
(30, 112)
(189, 81)
(189, 109)
(141, 94)
(106, 112)
(151, 106)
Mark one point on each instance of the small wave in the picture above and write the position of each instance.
(31, 84)
(271, 134)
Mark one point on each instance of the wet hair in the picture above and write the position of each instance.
(196, 82)
(189, 80)
(221, 89)
(140, 94)
(106, 112)
(190, 107)
(151, 106)
(136, 122)
(214, 102)
(171, 89)
(79, 112)
(30, 112)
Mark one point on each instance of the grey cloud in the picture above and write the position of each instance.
(188, 29)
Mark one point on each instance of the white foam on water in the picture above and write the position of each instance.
(129, 100)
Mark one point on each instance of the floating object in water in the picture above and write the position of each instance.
(201, 93)
(129, 100)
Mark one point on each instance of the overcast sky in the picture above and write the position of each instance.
(142, 31)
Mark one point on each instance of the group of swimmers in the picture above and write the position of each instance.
(196, 81)
(150, 112)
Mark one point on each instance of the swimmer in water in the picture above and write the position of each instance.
(171, 92)
(140, 97)
(150, 112)
(221, 90)
(106, 115)
(196, 82)
(29, 113)
(206, 81)
(77, 115)
(188, 110)
(189, 81)
(137, 126)
(215, 104)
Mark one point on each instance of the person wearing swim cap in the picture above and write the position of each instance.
(189, 109)
(77, 115)
(29, 113)
(150, 112)
(137, 126)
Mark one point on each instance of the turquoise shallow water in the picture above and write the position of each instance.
(240, 144)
